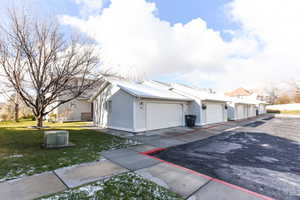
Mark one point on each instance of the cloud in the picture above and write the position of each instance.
(274, 24)
(135, 41)
(90, 7)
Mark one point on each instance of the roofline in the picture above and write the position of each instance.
(218, 100)
(195, 96)
(133, 94)
(152, 97)
(106, 84)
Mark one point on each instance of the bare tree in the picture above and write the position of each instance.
(295, 86)
(45, 67)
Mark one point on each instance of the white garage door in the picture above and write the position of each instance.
(252, 111)
(214, 113)
(163, 115)
(262, 109)
(240, 111)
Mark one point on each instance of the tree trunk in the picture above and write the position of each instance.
(39, 120)
(16, 112)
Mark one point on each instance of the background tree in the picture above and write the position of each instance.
(295, 86)
(45, 67)
(12, 99)
(14, 109)
(283, 99)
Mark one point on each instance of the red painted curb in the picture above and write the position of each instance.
(146, 153)
(177, 166)
(242, 189)
(153, 151)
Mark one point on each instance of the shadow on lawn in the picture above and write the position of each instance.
(21, 152)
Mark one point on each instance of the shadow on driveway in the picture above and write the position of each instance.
(259, 162)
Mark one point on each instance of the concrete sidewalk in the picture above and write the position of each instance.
(36, 186)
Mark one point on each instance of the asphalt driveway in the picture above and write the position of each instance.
(263, 157)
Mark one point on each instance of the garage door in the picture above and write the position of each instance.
(163, 115)
(262, 109)
(214, 113)
(240, 111)
(253, 110)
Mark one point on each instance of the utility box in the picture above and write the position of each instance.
(56, 139)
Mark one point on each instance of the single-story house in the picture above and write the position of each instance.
(138, 107)
(241, 108)
(79, 109)
(209, 108)
(76, 110)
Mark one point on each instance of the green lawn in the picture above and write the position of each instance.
(126, 186)
(289, 112)
(294, 112)
(21, 154)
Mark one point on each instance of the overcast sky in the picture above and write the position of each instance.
(222, 44)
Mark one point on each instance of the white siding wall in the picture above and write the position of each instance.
(140, 115)
(71, 111)
(100, 107)
(113, 108)
(194, 108)
(231, 112)
(121, 114)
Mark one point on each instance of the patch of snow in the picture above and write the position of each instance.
(90, 190)
(15, 156)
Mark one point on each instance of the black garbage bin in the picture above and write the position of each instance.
(190, 120)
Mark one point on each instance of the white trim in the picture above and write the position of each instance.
(154, 97)
(126, 129)
(134, 114)
(164, 101)
(121, 129)
(140, 130)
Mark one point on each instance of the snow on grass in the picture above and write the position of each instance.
(15, 156)
(21, 154)
(123, 186)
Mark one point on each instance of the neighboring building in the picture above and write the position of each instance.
(151, 105)
(255, 94)
(138, 107)
(246, 103)
(79, 109)
(208, 107)
(240, 92)
(241, 109)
